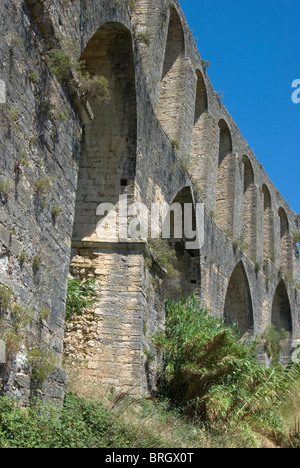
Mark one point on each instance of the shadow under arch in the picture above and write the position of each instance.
(201, 163)
(170, 110)
(107, 166)
(268, 223)
(178, 229)
(238, 303)
(249, 210)
(286, 257)
(226, 180)
(281, 309)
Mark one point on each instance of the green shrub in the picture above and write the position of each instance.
(205, 64)
(273, 341)
(143, 38)
(33, 77)
(164, 255)
(37, 262)
(215, 377)
(44, 313)
(22, 258)
(18, 41)
(240, 243)
(65, 67)
(42, 362)
(43, 185)
(96, 87)
(296, 236)
(60, 64)
(14, 319)
(131, 4)
(6, 298)
(81, 424)
(13, 115)
(5, 187)
(175, 144)
(56, 210)
(80, 296)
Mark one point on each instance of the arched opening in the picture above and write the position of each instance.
(108, 159)
(238, 304)
(201, 103)
(285, 243)
(200, 138)
(284, 223)
(281, 309)
(249, 210)
(179, 229)
(173, 82)
(226, 181)
(268, 235)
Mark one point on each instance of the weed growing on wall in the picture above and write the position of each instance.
(95, 87)
(14, 319)
(42, 362)
(5, 190)
(273, 342)
(60, 64)
(67, 69)
(166, 258)
(80, 296)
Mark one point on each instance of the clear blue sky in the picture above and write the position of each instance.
(254, 50)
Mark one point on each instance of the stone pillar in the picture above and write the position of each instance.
(111, 342)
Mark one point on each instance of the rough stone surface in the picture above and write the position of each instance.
(164, 136)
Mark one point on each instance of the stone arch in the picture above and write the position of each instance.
(226, 180)
(249, 210)
(200, 138)
(177, 233)
(281, 309)
(108, 157)
(268, 223)
(238, 303)
(285, 243)
(173, 81)
(284, 222)
(201, 104)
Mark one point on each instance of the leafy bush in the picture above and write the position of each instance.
(6, 298)
(43, 185)
(164, 255)
(80, 295)
(96, 87)
(63, 65)
(81, 424)
(131, 4)
(60, 64)
(215, 377)
(42, 362)
(296, 236)
(56, 210)
(273, 341)
(14, 319)
(5, 187)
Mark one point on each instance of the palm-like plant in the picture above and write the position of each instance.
(81, 295)
(216, 377)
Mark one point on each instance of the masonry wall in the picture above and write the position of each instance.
(112, 341)
(39, 152)
(164, 133)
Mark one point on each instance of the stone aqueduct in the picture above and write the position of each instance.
(164, 136)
